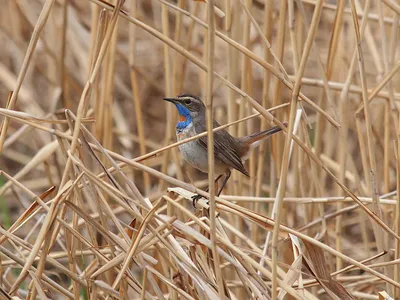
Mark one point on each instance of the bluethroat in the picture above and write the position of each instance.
(230, 152)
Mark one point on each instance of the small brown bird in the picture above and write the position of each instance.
(229, 152)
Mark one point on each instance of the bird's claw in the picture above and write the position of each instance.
(196, 198)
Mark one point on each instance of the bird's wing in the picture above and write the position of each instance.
(224, 146)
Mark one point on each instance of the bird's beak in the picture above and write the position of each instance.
(172, 100)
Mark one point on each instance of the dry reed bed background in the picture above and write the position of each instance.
(95, 199)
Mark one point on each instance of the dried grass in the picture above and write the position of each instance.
(96, 201)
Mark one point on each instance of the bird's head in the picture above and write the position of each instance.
(187, 103)
(188, 107)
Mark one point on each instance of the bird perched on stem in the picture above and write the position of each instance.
(229, 152)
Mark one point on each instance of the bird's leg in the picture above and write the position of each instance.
(227, 176)
(196, 197)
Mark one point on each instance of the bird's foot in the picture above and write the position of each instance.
(196, 198)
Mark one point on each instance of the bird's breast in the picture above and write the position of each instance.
(191, 151)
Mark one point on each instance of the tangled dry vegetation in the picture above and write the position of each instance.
(96, 201)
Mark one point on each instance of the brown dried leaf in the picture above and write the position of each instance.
(314, 260)
(20, 221)
(129, 231)
(292, 275)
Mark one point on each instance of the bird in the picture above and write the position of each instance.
(229, 152)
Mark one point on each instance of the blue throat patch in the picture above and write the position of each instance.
(185, 113)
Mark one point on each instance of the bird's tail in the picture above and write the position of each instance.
(250, 142)
(255, 137)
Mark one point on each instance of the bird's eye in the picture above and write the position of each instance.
(188, 101)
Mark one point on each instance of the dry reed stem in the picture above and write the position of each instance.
(106, 226)
(261, 110)
(286, 150)
(203, 66)
(371, 147)
(27, 59)
(270, 222)
(210, 54)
